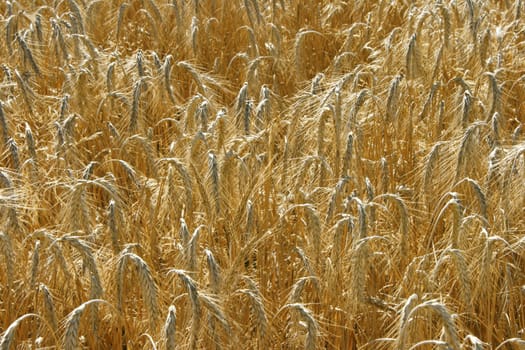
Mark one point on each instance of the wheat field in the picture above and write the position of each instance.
(256, 174)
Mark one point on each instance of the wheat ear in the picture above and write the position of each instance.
(49, 307)
(7, 250)
(73, 324)
(311, 325)
(147, 285)
(195, 305)
(9, 334)
(170, 328)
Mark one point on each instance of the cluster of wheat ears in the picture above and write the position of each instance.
(262, 174)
